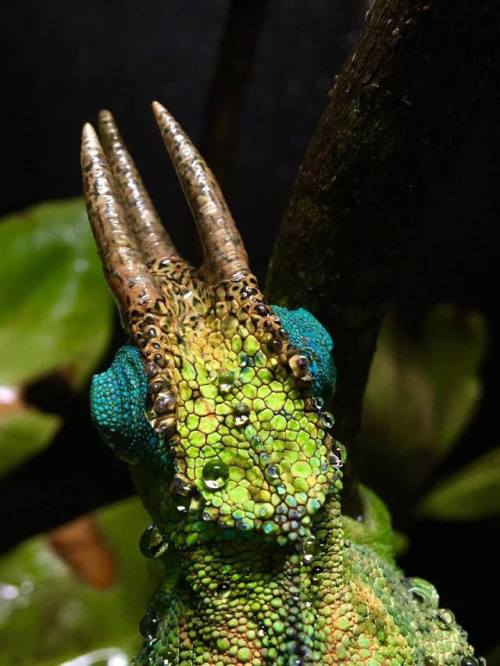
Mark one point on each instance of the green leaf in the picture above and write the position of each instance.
(421, 394)
(48, 615)
(374, 529)
(55, 308)
(470, 494)
(55, 316)
(23, 433)
(453, 347)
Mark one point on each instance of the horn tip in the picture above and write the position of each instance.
(156, 106)
(161, 113)
(105, 115)
(107, 126)
(87, 130)
(166, 122)
(89, 136)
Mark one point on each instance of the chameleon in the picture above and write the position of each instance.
(217, 405)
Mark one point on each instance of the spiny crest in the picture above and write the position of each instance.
(228, 393)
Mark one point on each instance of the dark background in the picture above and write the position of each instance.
(62, 62)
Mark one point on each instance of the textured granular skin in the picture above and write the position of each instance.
(245, 602)
(245, 496)
(217, 406)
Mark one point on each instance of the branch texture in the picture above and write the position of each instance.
(395, 114)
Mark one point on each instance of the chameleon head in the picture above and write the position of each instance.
(246, 443)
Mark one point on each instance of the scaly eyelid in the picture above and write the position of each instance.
(310, 337)
(117, 403)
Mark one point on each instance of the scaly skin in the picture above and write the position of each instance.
(239, 596)
(217, 407)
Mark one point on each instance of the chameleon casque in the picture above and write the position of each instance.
(217, 405)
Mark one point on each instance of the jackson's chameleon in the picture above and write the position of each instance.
(217, 405)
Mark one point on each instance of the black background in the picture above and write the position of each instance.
(63, 61)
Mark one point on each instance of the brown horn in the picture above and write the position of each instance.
(152, 237)
(222, 243)
(123, 263)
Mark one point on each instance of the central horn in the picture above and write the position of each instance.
(225, 256)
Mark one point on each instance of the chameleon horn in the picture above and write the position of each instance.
(152, 238)
(123, 263)
(222, 244)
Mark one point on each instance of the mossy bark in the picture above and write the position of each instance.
(389, 129)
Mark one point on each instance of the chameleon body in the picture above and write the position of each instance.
(218, 407)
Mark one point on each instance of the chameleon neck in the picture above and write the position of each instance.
(251, 600)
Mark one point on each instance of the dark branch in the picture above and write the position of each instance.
(227, 93)
(395, 113)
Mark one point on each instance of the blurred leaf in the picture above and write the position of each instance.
(453, 347)
(374, 527)
(50, 615)
(55, 308)
(24, 432)
(470, 494)
(55, 316)
(422, 393)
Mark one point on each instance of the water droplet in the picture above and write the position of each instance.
(215, 474)
(446, 617)
(164, 403)
(241, 412)
(272, 472)
(210, 513)
(148, 626)
(338, 455)
(429, 660)
(264, 458)
(182, 503)
(335, 461)
(328, 420)
(257, 443)
(226, 382)
(152, 544)
(340, 451)
(423, 591)
(308, 549)
(469, 661)
(181, 486)
(318, 403)
(170, 657)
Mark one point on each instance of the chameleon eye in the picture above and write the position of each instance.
(117, 399)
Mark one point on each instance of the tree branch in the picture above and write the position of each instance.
(393, 119)
(227, 93)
